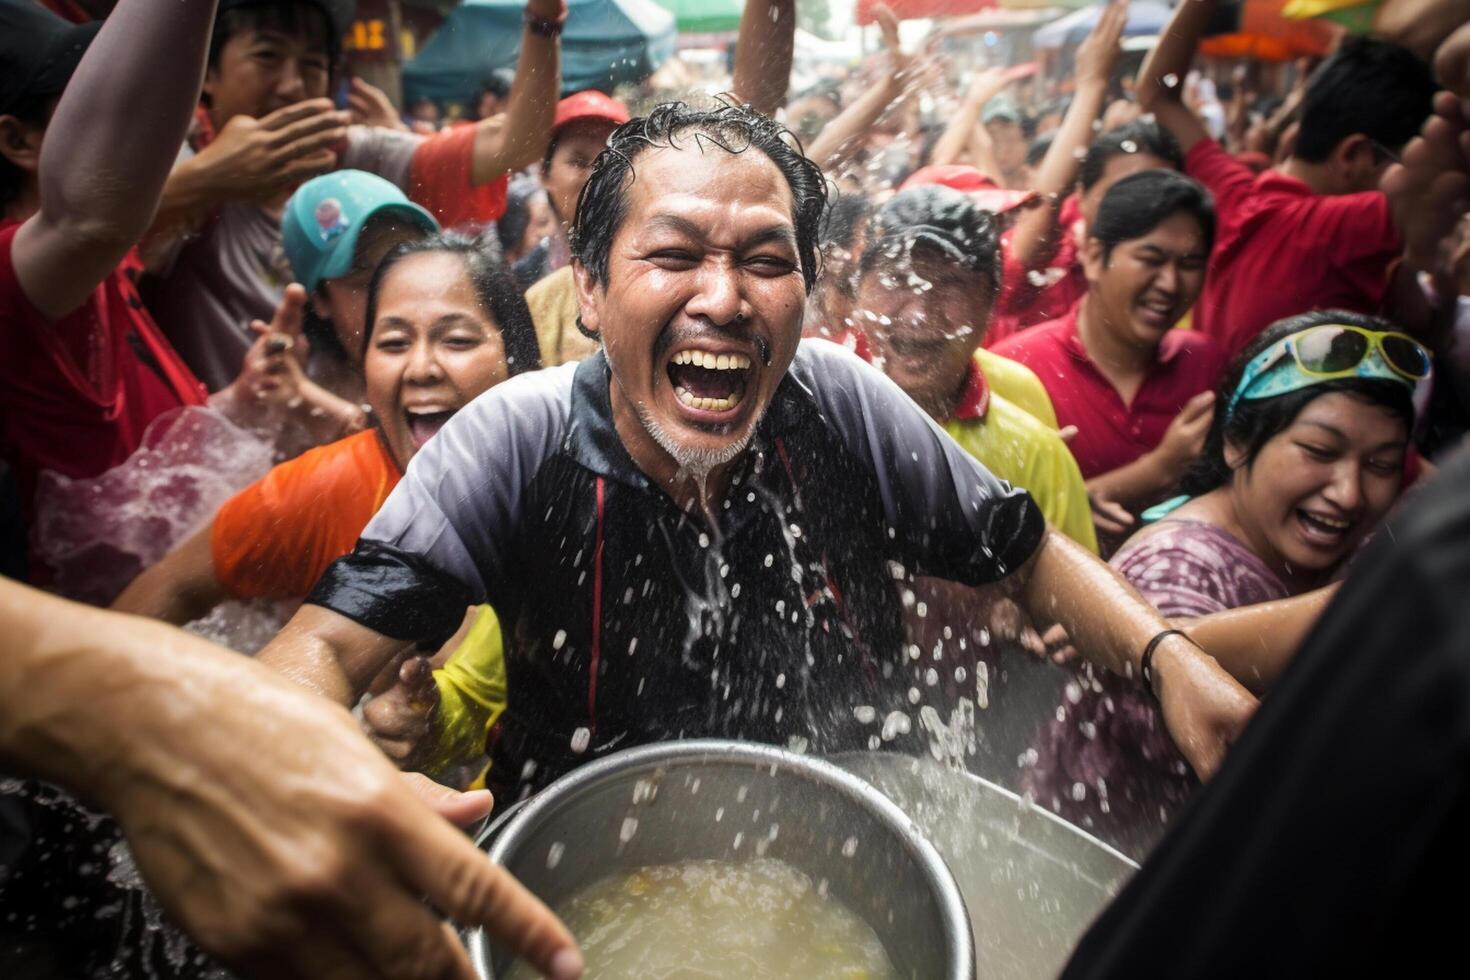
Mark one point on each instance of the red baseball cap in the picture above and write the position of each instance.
(589, 104)
(982, 190)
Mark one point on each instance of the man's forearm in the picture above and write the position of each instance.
(1173, 55)
(118, 128)
(1058, 172)
(763, 53)
(519, 140)
(1108, 621)
(840, 137)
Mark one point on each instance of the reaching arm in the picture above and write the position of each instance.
(104, 162)
(1161, 78)
(330, 654)
(1058, 172)
(763, 53)
(505, 144)
(953, 143)
(841, 137)
(267, 826)
(179, 588)
(1204, 708)
(1255, 643)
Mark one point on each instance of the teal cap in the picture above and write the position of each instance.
(1003, 106)
(323, 218)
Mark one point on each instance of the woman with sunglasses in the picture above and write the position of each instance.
(1302, 463)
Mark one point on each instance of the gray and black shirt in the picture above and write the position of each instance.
(627, 620)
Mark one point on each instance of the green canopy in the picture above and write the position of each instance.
(704, 16)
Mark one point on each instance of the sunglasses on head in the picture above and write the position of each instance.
(1333, 350)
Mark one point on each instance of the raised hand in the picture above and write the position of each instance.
(1185, 437)
(255, 159)
(1098, 54)
(370, 106)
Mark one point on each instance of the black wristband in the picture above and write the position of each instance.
(1146, 662)
(541, 26)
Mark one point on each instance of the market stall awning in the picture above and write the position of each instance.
(999, 19)
(604, 43)
(704, 16)
(1144, 17)
(919, 9)
(1266, 35)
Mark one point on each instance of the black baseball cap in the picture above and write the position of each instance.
(39, 51)
(939, 216)
(339, 12)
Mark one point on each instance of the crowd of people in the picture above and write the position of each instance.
(779, 415)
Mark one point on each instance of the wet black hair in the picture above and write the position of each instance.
(1140, 202)
(295, 17)
(1378, 89)
(494, 285)
(846, 214)
(33, 111)
(603, 203)
(1255, 422)
(922, 216)
(1138, 136)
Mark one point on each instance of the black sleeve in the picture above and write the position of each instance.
(1333, 842)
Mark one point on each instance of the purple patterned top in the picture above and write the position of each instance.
(1106, 762)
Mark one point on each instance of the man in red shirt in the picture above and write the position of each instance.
(1138, 391)
(1315, 233)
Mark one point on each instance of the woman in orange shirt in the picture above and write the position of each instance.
(445, 322)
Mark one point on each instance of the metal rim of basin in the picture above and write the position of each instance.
(955, 919)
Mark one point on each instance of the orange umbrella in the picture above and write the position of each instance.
(1264, 34)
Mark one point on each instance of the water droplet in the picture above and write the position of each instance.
(581, 738)
(559, 640)
(554, 853)
(849, 848)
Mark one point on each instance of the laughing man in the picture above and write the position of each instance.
(705, 528)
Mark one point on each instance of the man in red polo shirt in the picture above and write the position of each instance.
(1315, 233)
(1138, 391)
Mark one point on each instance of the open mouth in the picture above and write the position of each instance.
(423, 426)
(1321, 529)
(1157, 313)
(709, 384)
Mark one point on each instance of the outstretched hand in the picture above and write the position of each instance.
(400, 720)
(285, 843)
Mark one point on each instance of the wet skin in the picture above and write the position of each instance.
(433, 350)
(931, 335)
(705, 264)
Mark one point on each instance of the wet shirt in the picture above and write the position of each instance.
(276, 537)
(1016, 446)
(1111, 433)
(1282, 249)
(627, 620)
(78, 393)
(235, 269)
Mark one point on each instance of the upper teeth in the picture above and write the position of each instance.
(1329, 521)
(713, 362)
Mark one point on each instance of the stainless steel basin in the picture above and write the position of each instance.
(1032, 882)
(729, 800)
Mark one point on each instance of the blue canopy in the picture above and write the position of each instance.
(605, 43)
(1144, 17)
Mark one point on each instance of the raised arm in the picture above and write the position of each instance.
(505, 144)
(1096, 59)
(109, 146)
(763, 53)
(955, 139)
(841, 137)
(1161, 78)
